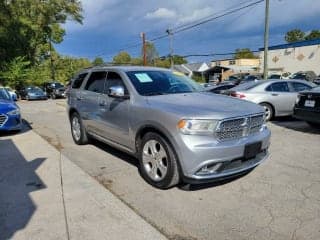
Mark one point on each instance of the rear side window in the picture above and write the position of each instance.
(79, 80)
(298, 87)
(278, 87)
(96, 82)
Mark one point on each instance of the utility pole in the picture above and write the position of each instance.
(266, 41)
(170, 33)
(144, 48)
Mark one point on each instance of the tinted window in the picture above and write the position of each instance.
(114, 79)
(162, 82)
(278, 87)
(298, 87)
(4, 94)
(78, 81)
(96, 82)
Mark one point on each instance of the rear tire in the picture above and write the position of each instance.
(158, 162)
(269, 112)
(78, 131)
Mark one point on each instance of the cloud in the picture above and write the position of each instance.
(161, 13)
(197, 14)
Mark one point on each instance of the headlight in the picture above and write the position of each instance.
(14, 112)
(197, 126)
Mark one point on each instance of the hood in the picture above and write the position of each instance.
(6, 106)
(204, 105)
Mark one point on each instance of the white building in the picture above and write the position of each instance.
(293, 57)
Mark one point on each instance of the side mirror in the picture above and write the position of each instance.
(117, 92)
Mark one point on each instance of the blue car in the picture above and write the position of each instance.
(10, 118)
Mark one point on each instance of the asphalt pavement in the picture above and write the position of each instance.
(277, 200)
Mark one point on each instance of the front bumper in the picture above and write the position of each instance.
(198, 152)
(12, 123)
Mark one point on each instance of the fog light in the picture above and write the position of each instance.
(209, 169)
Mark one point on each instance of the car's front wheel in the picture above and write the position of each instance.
(158, 162)
(78, 131)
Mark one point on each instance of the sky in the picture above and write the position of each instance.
(110, 26)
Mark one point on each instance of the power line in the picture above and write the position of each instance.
(191, 25)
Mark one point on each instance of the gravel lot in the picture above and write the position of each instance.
(280, 199)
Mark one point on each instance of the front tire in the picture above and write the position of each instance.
(78, 131)
(269, 112)
(158, 162)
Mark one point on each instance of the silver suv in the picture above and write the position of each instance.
(179, 132)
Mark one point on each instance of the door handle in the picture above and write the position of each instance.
(275, 94)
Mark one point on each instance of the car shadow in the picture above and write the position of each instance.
(197, 187)
(18, 179)
(115, 152)
(182, 186)
(25, 128)
(294, 124)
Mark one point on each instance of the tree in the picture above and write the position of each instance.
(16, 72)
(122, 58)
(294, 35)
(28, 28)
(244, 53)
(97, 61)
(151, 53)
(314, 34)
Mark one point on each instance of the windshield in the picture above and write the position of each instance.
(57, 85)
(34, 90)
(4, 95)
(155, 82)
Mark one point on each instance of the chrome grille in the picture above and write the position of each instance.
(3, 119)
(236, 128)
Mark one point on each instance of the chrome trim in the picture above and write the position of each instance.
(244, 128)
(256, 161)
(3, 122)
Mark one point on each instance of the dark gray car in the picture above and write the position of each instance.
(178, 131)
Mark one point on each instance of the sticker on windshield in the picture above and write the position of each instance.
(178, 73)
(143, 77)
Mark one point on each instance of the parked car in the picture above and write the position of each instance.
(284, 75)
(305, 75)
(221, 88)
(317, 80)
(276, 96)
(307, 107)
(10, 118)
(32, 93)
(54, 90)
(160, 117)
(12, 93)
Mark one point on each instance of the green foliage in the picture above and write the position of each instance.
(198, 78)
(151, 53)
(297, 35)
(294, 35)
(16, 72)
(314, 34)
(97, 61)
(244, 53)
(122, 58)
(27, 27)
